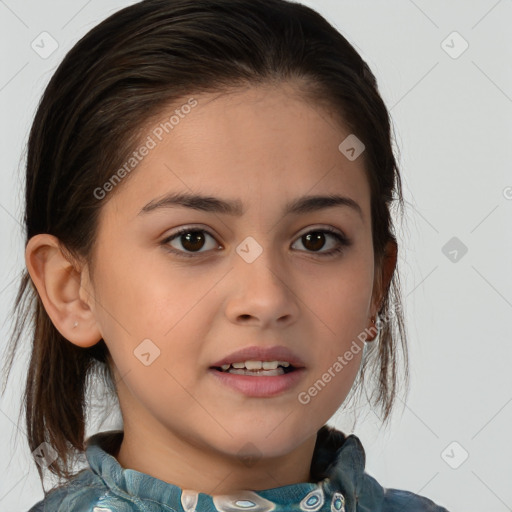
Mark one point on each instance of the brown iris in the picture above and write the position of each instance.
(316, 239)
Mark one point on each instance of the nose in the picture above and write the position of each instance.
(264, 293)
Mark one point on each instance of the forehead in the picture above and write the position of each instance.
(264, 145)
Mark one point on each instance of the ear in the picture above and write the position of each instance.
(59, 285)
(383, 276)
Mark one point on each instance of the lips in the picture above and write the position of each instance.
(258, 353)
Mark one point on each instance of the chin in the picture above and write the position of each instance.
(271, 440)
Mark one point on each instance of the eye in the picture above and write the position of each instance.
(316, 240)
(190, 239)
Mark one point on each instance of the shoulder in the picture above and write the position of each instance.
(79, 494)
(364, 492)
(396, 500)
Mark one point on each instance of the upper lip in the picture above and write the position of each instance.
(258, 353)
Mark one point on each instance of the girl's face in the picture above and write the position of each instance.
(169, 309)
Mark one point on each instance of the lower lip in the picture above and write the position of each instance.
(260, 386)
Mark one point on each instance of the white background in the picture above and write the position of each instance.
(453, 122)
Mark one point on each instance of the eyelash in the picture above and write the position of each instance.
(343, 241)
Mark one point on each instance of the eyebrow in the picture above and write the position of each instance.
(301, 205)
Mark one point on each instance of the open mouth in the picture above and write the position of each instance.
(255, 372)
(259, 379)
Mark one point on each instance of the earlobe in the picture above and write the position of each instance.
(59, 285)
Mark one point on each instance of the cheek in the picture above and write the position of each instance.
(143, 292)
(153, 335)
(145, 309)
(341, 309)
(342, 298)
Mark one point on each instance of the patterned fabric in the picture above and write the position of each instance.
(340, 485)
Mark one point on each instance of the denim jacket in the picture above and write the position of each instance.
(341, 485)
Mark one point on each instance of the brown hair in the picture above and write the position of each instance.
(109, 85)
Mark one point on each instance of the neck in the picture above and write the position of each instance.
(197, 467)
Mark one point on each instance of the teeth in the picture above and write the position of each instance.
(258, 373)
(256, 365)
(253, 365)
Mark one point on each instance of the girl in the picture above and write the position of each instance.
(208, 196)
